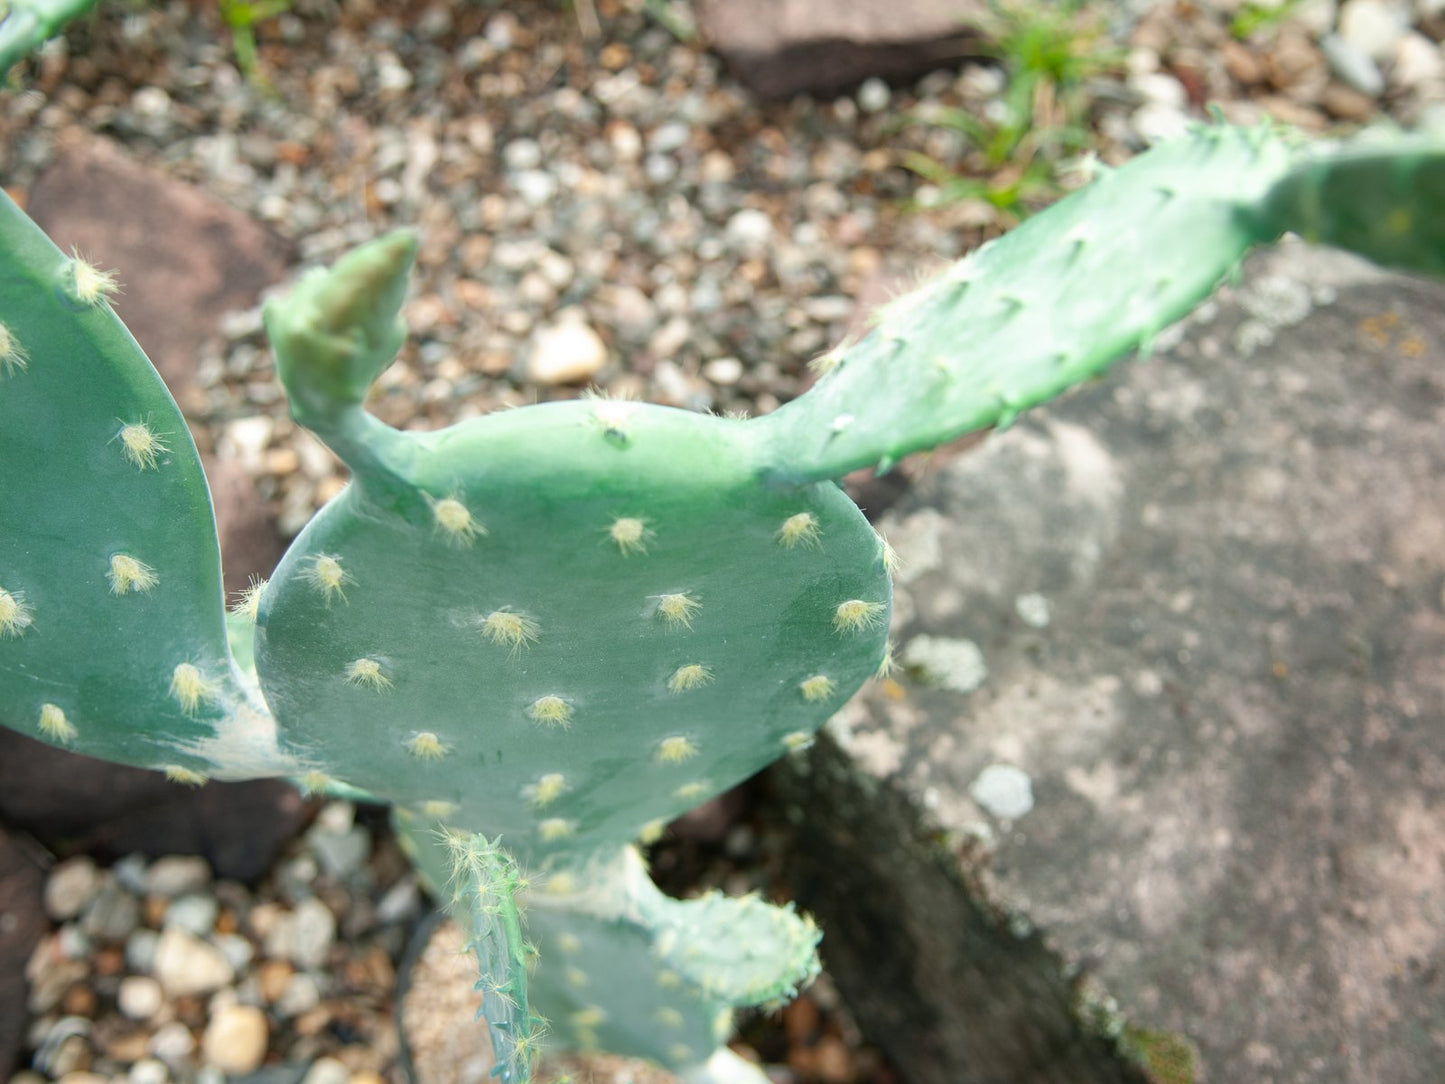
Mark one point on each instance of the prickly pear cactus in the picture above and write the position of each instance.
(562, 626)
(624, 621)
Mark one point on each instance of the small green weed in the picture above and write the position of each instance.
(1047, 55)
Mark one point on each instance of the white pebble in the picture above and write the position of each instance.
(749, 230)
(235, 1040)
(70, 888)
(177, 875)
(874, 96)
(185, 964)
(567, 352)
(1004, 791)
(139, 997)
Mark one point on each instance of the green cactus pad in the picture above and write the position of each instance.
(624, 968)
(25, 25)
(112, 633)
(568, 680)
(1036, 311)
(1381, 196)
(1097, 276)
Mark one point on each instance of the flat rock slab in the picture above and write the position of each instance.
(786, 47)
(1200, 608)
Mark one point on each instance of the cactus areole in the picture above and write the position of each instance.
(559, 627)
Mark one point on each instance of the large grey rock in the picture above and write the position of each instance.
(1208, 596)
(786, 47)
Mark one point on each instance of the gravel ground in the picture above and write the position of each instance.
(614, 212)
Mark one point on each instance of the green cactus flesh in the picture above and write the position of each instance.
(1096, 276)
(619, 966)
(112, 635)
(569, 681)
(25, 25)
(480, 884)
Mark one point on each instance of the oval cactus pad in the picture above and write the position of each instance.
(621, 622)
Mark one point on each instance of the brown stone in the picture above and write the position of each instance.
(1206, 592)
(22, 924)
(786, 47)
(75, 803)
(183, 257)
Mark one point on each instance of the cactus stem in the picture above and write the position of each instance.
(15, 616)
(141, 445)
(327, 576)
(685, 678)
(55, 726)
(129, 575)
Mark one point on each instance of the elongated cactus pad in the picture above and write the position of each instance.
(480, 884)
(112, 635)
(25, 25)
(1095, 277)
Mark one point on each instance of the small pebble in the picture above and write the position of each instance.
(71, 887)
(184, 964)
(139, 997)
(235, 1040)
(566, 352)
(177, 875)
(194, 914)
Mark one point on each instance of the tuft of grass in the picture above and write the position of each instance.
(1048, 55)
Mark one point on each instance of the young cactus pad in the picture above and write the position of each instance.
(559, 625)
